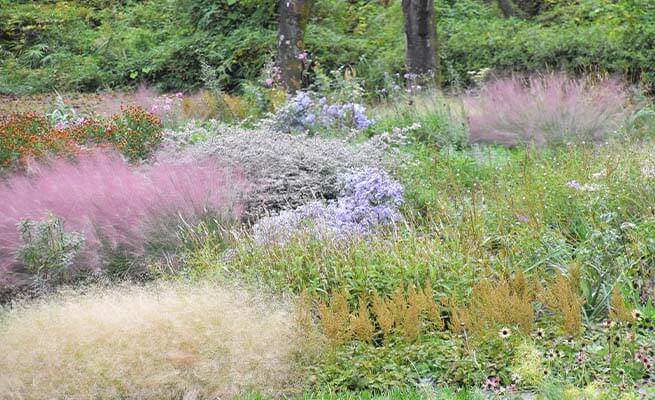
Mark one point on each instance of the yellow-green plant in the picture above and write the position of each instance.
(360, 323)
(507, 302)
(562, 298)
(335, 318)
(618, 311)
(529, 364)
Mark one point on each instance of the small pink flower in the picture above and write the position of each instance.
(492, 383)
(302, 56)
(81, 121)
(60, 126)
(167, 107)
(269, 82)
(179, 95)
(154, 108)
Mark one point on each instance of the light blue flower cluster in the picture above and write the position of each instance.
(307, 114)
(369, 199)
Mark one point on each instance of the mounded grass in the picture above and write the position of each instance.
(162, 341)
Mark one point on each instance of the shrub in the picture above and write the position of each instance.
(286, 171)
(547, 109)
(48, 251)
(305, 114)
(135, 132)
(164, 341)
(118, 209)
(29, 135)
(369, 199)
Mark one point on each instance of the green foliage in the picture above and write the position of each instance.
(49, 250)
(428, 118)
(135, 132)
(85, 45)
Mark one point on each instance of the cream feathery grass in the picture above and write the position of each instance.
(160, 341)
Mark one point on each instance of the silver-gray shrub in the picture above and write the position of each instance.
(369, 199)
(285, 171)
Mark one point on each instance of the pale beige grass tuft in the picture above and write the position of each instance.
(164, 341)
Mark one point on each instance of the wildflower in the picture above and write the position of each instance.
(60, 126)
(302, 100)
(636, 314)
(608, 324)
(302, 56)
(523, 218)
(516, 378)
(369, 198)
(80, 121)
(627, 226)
(492, 383)
(582, 357)
(179, 95)
(583, 188)
(269, 82)
(648, 171)
(505, 333)
(540, 333)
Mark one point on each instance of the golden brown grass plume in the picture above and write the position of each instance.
(492, 304)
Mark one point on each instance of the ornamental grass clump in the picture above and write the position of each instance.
(369, 199)
(123, 212)
(158, 341)
(546, 109)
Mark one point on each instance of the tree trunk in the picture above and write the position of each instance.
(506, 8)
(421, 33)
(293, 16)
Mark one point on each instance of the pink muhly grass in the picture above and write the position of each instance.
(111, 202)
(546, 109)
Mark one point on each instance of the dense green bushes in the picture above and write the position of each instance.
(86, 45)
